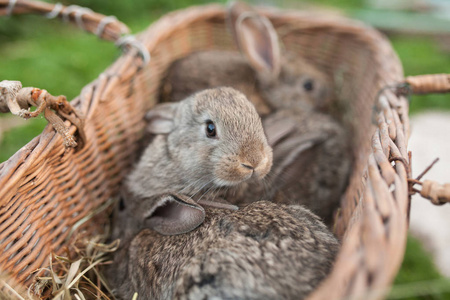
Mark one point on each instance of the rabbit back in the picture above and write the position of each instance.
(263, 251)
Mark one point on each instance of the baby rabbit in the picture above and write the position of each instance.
(263, 251)
(269, 80)
(210, 140)
(311, 157)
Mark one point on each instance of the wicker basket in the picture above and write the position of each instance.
(46, 188)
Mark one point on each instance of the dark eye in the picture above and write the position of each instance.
(121, 204)
(308, 85)
(210, 129)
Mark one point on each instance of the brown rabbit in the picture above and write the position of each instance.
(213, 139)
(263, 251)
(311, 157)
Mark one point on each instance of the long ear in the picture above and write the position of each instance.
(160, 120)
(277, 129)
(173, 214)
(255, 37)
(288, 151)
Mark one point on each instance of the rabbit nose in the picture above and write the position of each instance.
(263, 167)
(248, 167)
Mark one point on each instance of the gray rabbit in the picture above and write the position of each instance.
(263, 251)
(270, 80)
(213, 139)
(311, 153)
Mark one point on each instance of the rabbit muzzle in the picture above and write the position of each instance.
(237, 169)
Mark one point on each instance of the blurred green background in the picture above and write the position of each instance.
(62, 59)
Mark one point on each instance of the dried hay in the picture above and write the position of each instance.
(76, 275)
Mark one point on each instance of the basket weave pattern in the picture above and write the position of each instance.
(45, 188)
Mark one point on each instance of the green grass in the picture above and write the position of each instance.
(60, 59)
(20, 136)
(418, 278)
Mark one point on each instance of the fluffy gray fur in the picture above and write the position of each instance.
(263, 251)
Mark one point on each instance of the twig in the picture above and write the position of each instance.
(56, 109)
(414, 181)
(427, 169)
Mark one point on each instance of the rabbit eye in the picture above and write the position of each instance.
(121, 204)
(210, 129)
(308, 85)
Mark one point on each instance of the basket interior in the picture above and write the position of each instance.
(341, 52)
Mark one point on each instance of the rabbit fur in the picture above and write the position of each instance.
(263, 251)
(310, 149)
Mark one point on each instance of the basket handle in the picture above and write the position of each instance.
(428, 84)
(437, 193)
(105, 27)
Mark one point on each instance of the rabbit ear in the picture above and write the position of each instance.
(288, 151)
(160, 119)
(174, 214)
(277, 129)
(255, 37)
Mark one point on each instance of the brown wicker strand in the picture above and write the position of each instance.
(427, 169)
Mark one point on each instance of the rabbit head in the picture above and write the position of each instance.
(214, 136)
(212, 139)
(285, 81)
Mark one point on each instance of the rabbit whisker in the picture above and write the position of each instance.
(205, 192)
(200, 189)
(280, 176)
(266, 185)
(192, 185)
